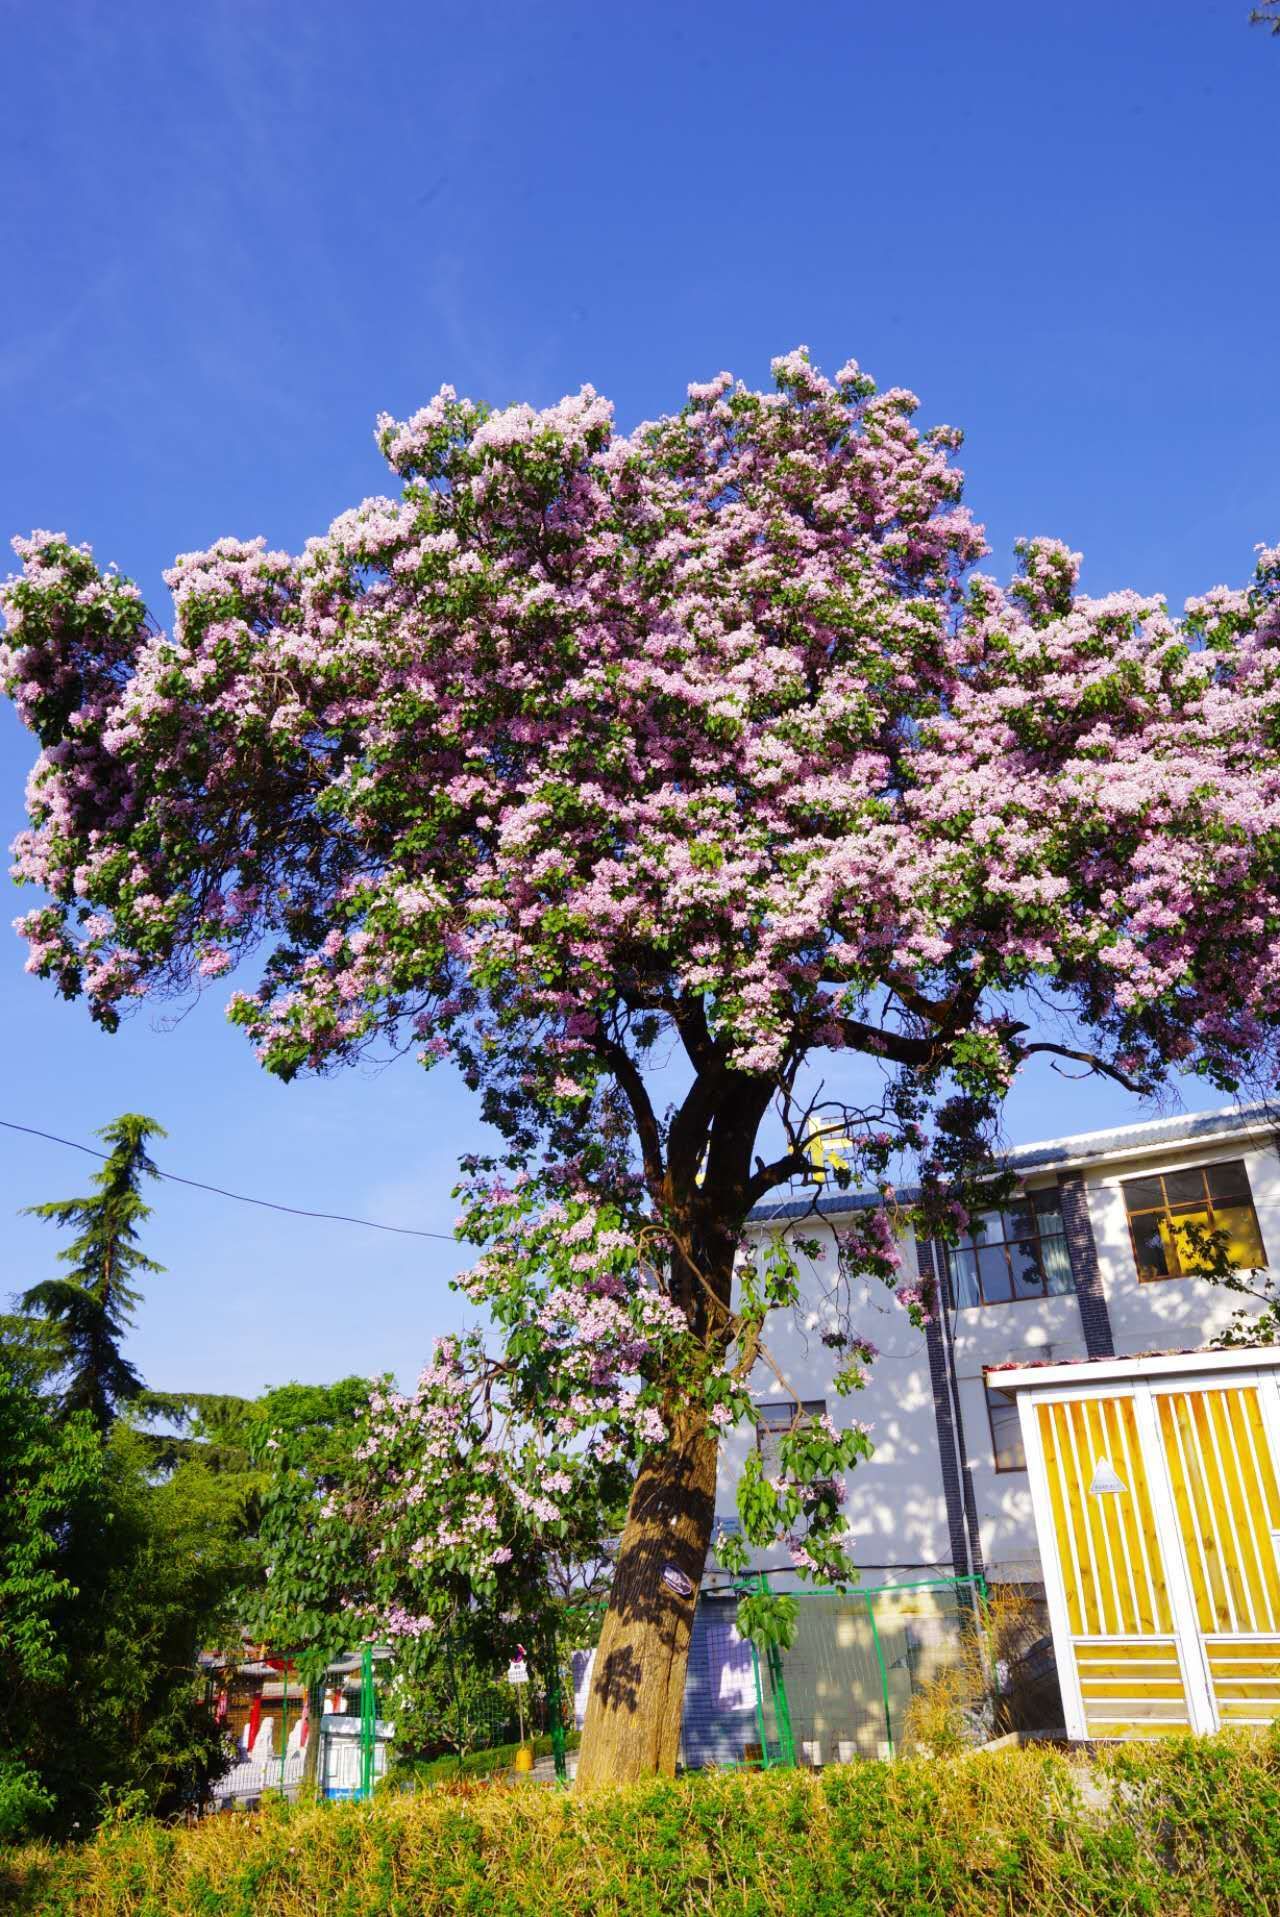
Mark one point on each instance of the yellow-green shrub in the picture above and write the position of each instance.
(1192, 1827)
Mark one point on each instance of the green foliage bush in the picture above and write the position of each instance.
(24, 1801)
(1188, 1827)
(451, 1702)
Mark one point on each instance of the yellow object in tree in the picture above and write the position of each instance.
(828, 1152)
(524, 1758)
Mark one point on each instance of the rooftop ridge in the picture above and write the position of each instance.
(1043, 1154)
(1178, 1124)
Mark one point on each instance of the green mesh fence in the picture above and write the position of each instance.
(838, 1693)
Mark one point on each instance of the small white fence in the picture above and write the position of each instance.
(338, 1772)
(248, 1779)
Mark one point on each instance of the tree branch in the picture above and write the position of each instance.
(897, 1046)
(765, 1177)
(649, 1132)
(691, 1127)
(1090, 1059)
(695, 1035)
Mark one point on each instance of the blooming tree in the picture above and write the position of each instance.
(421, 1530)
(476, 1512)
(706, 740)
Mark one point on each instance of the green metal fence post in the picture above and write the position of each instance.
(368, 1722)
(884, 1670)
(284, 1719)
(555, 1709)
(967, 1594)
(760, 1724)
(786, 1737)
(459, 1728)
(781, 1704)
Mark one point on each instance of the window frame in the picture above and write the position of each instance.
(807, 1412)
(1184, 1208)
(1037, 1238)
(990, 1391)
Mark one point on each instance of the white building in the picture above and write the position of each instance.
(1086, 1266)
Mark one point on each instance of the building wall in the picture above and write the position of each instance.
(897, 1515)
(899, 1519)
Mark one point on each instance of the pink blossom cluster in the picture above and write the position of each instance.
(594, 1298)
(399, 1623)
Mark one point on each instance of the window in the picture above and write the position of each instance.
(1216, 1197)
(1006, 1430)
(1020, 1252)
(773, 1421)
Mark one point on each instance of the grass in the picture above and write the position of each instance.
(490, 1763)
(1190, 1828)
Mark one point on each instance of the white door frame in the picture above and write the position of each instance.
(1189, 1646)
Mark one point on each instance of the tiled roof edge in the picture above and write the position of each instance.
(819, 1207)
(1258, 1117)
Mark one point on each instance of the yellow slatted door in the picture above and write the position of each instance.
(1117, 1595)
(1227, 1500)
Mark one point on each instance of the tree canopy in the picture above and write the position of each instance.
(129, 1530)
(416, 1532)
(112, 1580)
(588, 735)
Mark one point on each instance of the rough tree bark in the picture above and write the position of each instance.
(703, 1187)
(637, 1686)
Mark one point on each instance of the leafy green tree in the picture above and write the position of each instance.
(300, 1439)
(91, 1309)
(112, 1580)
(167, 1588)
(131, 1529)
(454, 1703)
(51, 1479)
(117, 1564)
(31, 1347)
(211, 1427)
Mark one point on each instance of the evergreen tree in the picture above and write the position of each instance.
(92, 1308)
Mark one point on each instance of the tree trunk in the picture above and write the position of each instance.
(637, 1685)
(311, 1749)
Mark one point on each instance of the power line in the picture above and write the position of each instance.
(241, 1198)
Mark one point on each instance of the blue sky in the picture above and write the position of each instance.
(232, 234)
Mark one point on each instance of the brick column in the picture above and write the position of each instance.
(1095, 1320)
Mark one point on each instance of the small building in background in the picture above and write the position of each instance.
(1087, 1263)
(262, 1704)
(1085, 1269)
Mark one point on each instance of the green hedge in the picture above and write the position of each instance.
(1186, 1829)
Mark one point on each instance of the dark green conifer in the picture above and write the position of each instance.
(91, 1308)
